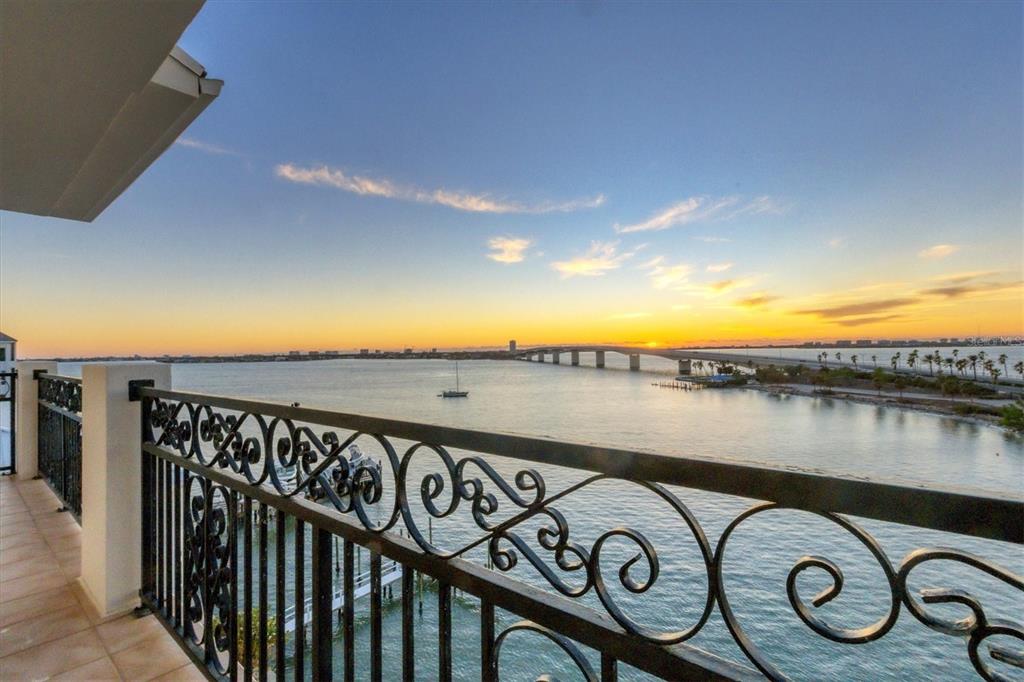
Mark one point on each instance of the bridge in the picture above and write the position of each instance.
(686, 358)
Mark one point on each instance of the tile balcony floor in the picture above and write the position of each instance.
(47, 628)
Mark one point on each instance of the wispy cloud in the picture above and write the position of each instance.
(870, 319)
(718, 267)
(599, 259)
(757, 300)
(207, 147)
(325, 176)
(628, 316)
(860, 308)
(712, 240)
(697, 209)
(508, 249)
(965, 284)
(938, 251)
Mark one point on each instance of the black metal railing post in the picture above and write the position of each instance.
(322, 632)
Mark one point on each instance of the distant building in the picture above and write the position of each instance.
(862, 342)
(433, 350)
(883, 342)
(8, 354)
(407, 351)
(844, 343)
(295, 353)
(365, 351)
(512, 346)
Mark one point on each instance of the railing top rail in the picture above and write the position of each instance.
(958, 511)
(58, 377)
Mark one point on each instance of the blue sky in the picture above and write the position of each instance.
(344, 188)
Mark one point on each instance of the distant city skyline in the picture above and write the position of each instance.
(455, 175)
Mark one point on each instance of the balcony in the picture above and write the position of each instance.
(261, 544)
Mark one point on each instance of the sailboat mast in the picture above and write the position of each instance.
(456, 375)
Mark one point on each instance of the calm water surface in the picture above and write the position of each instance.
(622, 409)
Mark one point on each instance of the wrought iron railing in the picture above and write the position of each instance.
(60, 438)
(246, 504)
(8, 425)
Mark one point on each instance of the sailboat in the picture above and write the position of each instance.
(456, 393)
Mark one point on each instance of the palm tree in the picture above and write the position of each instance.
(894, 360)
(949, 364)
(956, 352)
(937, 357)
(874, 359)
(961, 366)
(1018, 367)
(839, 356)
(995, 374)
(989, 366)
(982, 357)
(912, 359)
(853, 359)
(972, 360)
(931, 364)
(1002, 361)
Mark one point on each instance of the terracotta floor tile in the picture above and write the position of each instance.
(37, 604)
(33, 584)
(186, 673)
(41, 629)
(53, 658)
(21, 540)
(97, 671)
(150, 658)
(20, 569)
(10, 529)
(127, 631)
(10, 556)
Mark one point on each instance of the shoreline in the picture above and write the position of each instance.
(886, 401)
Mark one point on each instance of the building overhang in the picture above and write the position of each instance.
(93, 92)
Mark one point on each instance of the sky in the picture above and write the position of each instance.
(458, 175)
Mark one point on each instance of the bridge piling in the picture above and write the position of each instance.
(575, 358)
(556, 358)
(634, 362)
(599, 359)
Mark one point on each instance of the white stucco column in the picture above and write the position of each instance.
(26, 417)
(111, 482)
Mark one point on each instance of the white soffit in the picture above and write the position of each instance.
(91, 93)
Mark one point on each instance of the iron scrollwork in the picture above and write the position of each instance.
(61, 393)
(294, 460)
(208, 548)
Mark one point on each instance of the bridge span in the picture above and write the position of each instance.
(684, 357)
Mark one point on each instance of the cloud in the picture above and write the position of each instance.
(938, 251)
(757, 300)
(508, 249)
(207, 147)
(862, 308)
(652, 263)
(325, 176)
(696, 209)
(713, 240)
(870, 319)
(664, 275)
(600, 258)
(628, 316)
(957, 286)
(718, 267)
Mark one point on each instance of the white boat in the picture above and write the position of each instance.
(456, 393)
